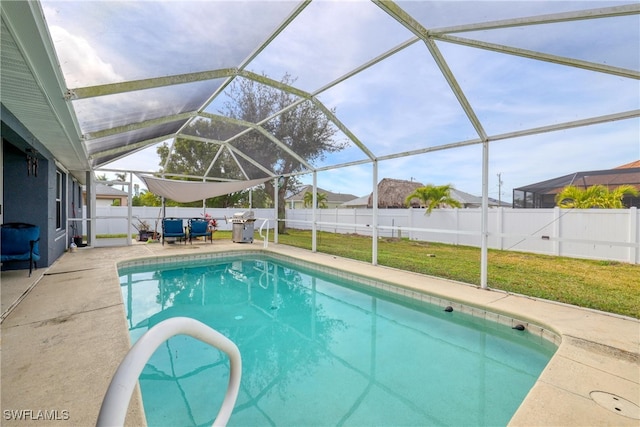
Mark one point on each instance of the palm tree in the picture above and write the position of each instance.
(619, 193)
(434, 197)
(307, 201)
(596, 196)
(578, 198)
(121, 177)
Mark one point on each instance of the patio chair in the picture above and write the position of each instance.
(199, 227)
(172, 227)
(20, 243)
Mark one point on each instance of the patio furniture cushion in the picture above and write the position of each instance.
(20, 243)
(199, 227)
(172, 227)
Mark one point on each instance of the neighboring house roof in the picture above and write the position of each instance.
(107, 190)
(470, 201)
(360, 201)
(331, 197)
(393, 192)
(542, 194)
(466, 200)
(634, 164)
(495, 202)
(612, 178)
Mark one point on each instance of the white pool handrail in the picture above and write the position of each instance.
(116, 401)
(265, 240)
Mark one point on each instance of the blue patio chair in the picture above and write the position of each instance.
(20, 243)
(199, 227)
(172, 227)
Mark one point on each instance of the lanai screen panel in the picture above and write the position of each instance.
(102, 43)
(120, 109)
(612, 41)
(393, 78)
(108, 148)
(328, 40)
(401, 104)
(134, 40)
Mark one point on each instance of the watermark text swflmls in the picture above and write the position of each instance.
(35, 414)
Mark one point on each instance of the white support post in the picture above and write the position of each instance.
(129, 209)
(485, 215)
(314, 227)
(275, 202)
(204, 203)
(91, 203)
(374, 245)
(66, 210)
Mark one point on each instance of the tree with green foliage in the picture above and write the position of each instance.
(596, 196)
(303, 129)
(146, 198)
(433, 197)
(321, 199)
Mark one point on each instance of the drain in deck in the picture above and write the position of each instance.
(616, 404)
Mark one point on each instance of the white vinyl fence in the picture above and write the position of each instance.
(606, 234)
(113, 219)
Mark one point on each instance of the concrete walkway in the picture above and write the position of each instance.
(62, 343)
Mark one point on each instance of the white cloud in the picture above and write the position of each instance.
(80, 62)
(327, 40)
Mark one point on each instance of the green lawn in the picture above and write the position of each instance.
(603, 285)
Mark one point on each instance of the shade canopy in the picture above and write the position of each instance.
(190, 191)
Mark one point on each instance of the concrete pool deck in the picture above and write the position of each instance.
(62, 342)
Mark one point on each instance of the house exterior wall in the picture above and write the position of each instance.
(28, 197)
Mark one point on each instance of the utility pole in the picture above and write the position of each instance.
(500, 189)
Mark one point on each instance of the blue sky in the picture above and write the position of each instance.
(400, 104)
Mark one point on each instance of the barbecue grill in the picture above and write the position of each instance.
(243, 224)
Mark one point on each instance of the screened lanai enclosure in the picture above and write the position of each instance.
(341, 92)
(543, 194)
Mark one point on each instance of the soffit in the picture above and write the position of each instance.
(31, 91)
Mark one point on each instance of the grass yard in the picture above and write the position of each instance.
(603, 285)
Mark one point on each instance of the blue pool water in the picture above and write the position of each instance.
(322, 351)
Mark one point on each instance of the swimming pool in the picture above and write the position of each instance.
(320, 349)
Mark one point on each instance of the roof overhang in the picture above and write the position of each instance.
(32, 85)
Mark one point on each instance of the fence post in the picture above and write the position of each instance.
(634, 253)
(457, 236)
(410, 223)
(557, 232)
(499, 225)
